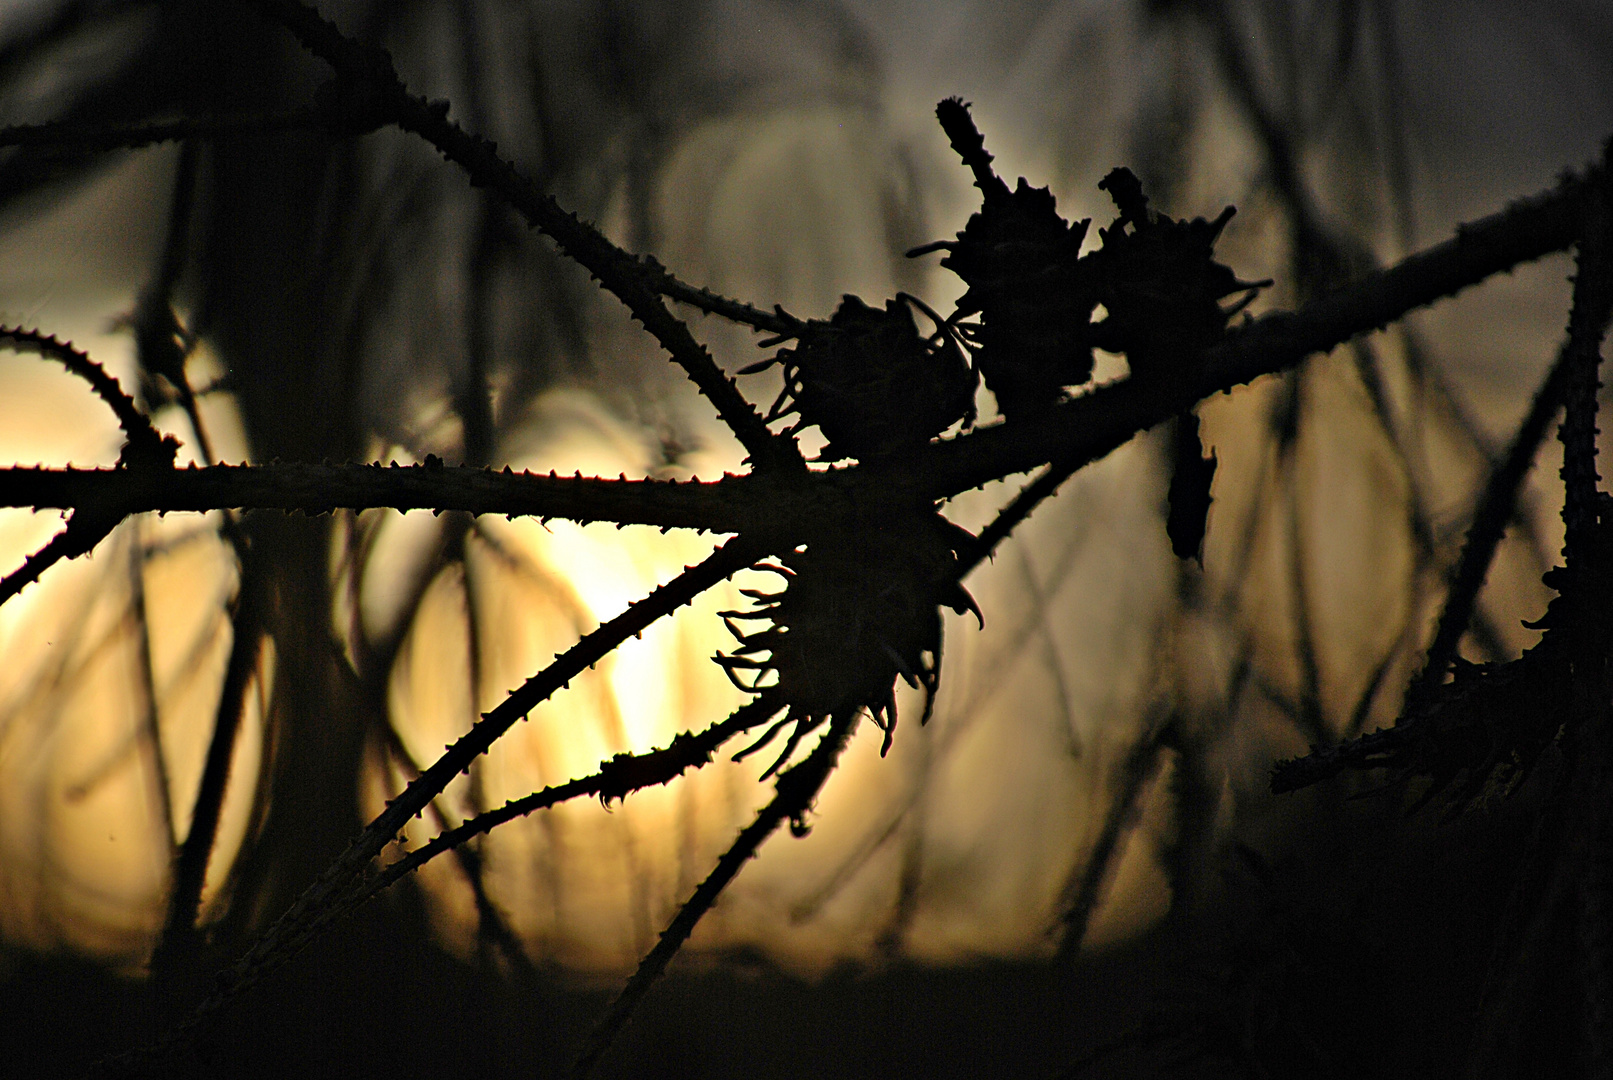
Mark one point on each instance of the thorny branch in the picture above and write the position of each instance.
(1493, 721)
(1073, 433)
(290, 932)
(144, 450)
(617, 778)
(797, 788)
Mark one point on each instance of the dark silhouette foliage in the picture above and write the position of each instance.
(862, 540)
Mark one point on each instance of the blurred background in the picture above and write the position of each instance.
(1078, 847)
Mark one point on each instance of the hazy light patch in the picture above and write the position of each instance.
(114, 661)
(83, 760)
(994, 792)
(786, 203)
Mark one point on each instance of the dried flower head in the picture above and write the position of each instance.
(858, 610)
(1036, 294)
(871, 382)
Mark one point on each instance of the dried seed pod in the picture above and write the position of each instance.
(1020, 261)
(871, 383)
(1188, 498)
(1036, 294)
(858, 610)
(1160, 282)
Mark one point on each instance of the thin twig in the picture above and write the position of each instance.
(1587, 323)
(491, 922)
(1009, 518)
(797, 787)
(139, 600)
(1496, 507)
(286, 936)
(136, 426)
(473, 398)
(618, 777)
(1138, 768)
(778, 321)
(77, 133)
(59, 547)
(1309, 717)
(178, 935)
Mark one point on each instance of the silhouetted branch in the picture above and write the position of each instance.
(67, 544)
(778, 321)
(1139, 767)
(288, 933)
(1094, 424)
(369, 73)
(1542, 669)
(616, 779)
(190, 867)
(1587, 323)
(139, 601)
(1309, 716)
(1495, 508)
(143, 451)
(136, 427)
(1009, 518)
(490, 921)
(724, 506)
(133, 136)
(1073, 433)
(797, 787)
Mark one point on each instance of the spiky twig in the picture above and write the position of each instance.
(1495, 508)
(143, 450)
(616, 779)
(1073, 433)
(797, 787)
(287, 935)
(133, 136)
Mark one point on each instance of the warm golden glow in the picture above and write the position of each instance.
(967, 840)
(1005, 794)
(108, 698)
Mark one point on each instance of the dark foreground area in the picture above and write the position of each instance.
(1359, 947)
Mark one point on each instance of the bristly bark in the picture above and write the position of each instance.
(1072, 434)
